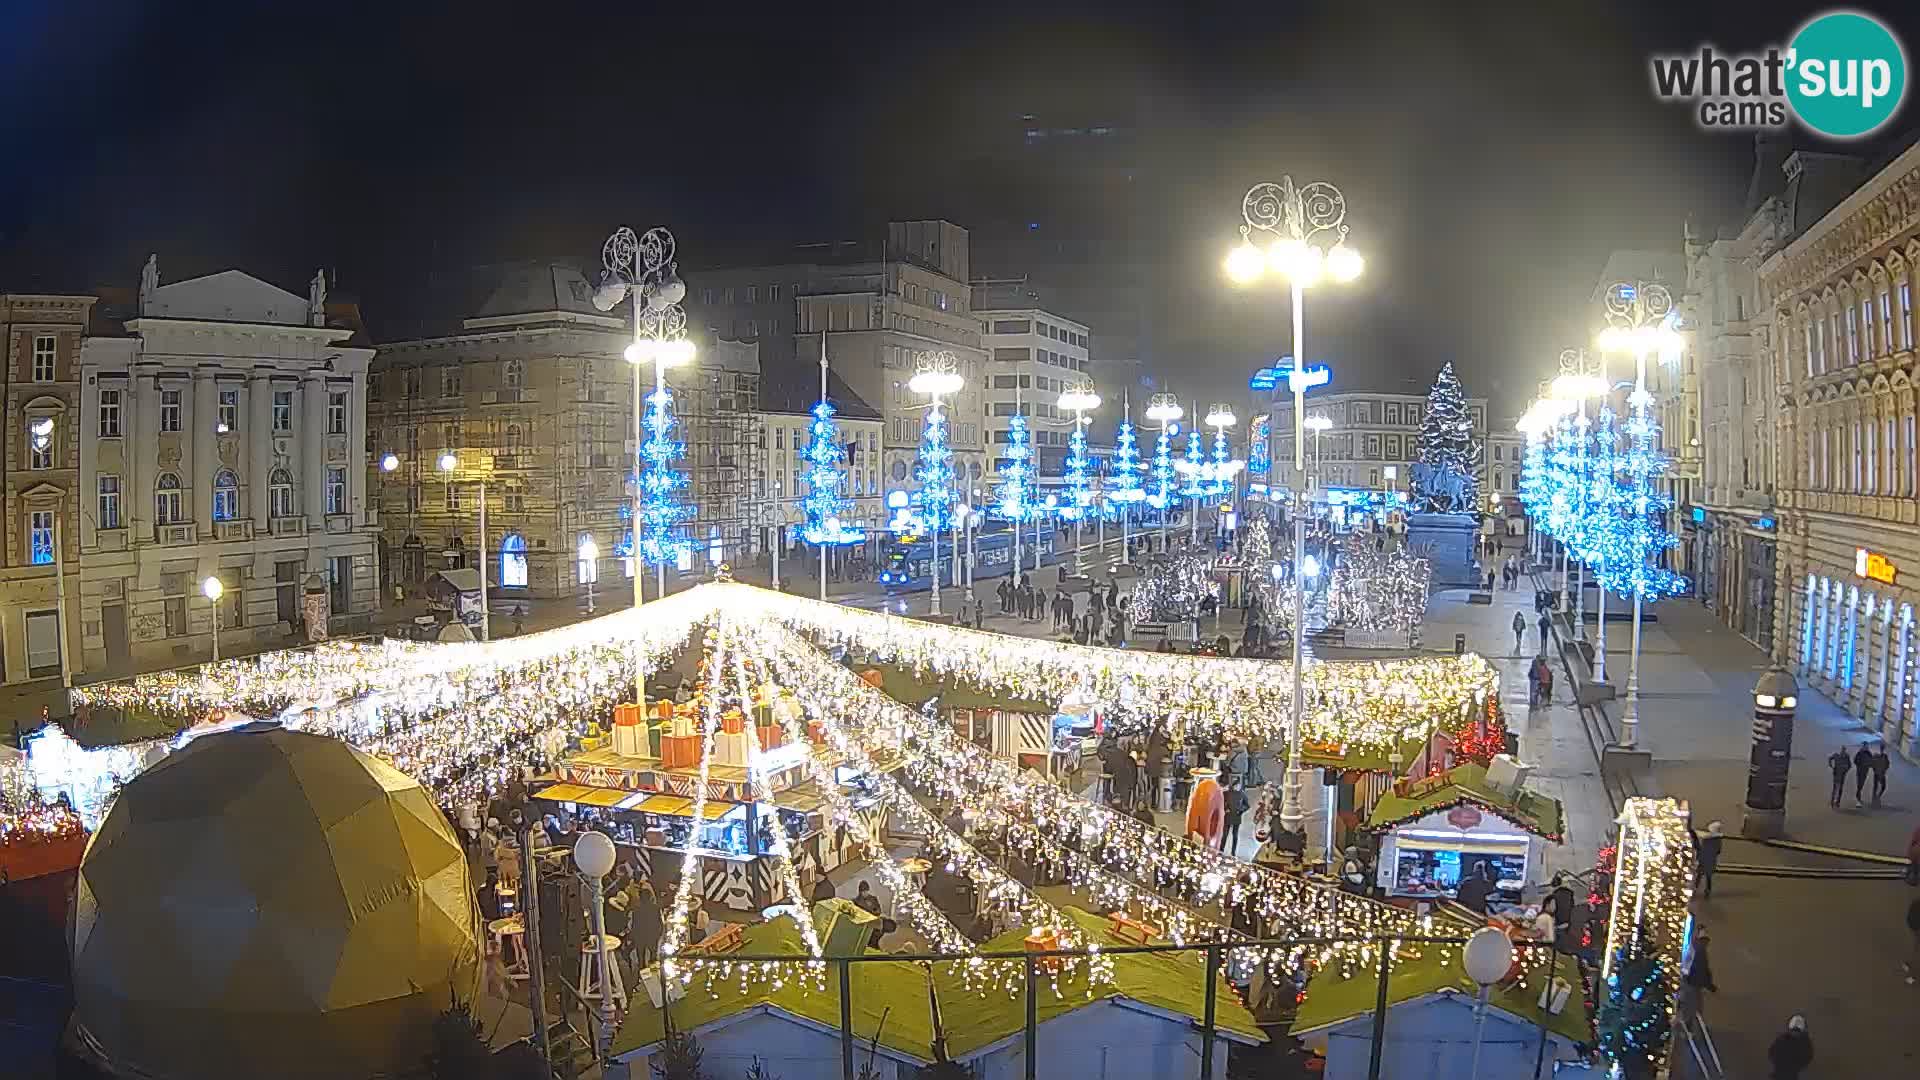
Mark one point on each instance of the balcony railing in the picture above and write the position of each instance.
(288, 526)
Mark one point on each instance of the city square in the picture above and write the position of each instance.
(1162, 600)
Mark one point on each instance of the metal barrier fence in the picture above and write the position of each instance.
(1034, 965)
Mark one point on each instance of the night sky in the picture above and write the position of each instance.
(1491, 154)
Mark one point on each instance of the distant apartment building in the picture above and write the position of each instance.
(786, 408)
(1373, 432)
(40, 343)
(531, 395)
(221, 431)
(879, 309)
(1032, 355)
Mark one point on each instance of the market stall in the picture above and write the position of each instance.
(641, 789)
(1438, 831)
(1019, 729)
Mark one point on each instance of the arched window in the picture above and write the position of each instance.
(280, 494)
(512, 373)
(513, 562)
(226, 496)
(166, 500)
(513, 439)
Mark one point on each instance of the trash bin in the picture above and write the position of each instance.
(1163, 799)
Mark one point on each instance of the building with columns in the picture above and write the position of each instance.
(222, 432)
(1840, 300)
(40, 342)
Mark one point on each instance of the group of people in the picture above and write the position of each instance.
(1870, 760)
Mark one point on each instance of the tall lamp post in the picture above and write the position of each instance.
(1164, 410)
(213, 590)
(1319, 425)
(449, 461)
(1642, 317)
(1079, 400)
(1298, 220)
(593, 854)
(643, 267)
(1221, 419)
(937, 375)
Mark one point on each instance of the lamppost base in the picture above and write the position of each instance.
(1763, 824)
(1617, 760)
(1292, 787)
(1591, 693)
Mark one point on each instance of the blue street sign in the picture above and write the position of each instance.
(1304, 379)
(1264, 379)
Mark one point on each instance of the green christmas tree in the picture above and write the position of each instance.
(1447, 442)
(1632, 1020)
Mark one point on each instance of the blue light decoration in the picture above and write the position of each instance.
(1603, 531)
(1259, 453)
(1220, 470)
(1640, 572)
(1015, 502)
(1194, 468)
(1125, 468)
(1562, 482)
(1162, 494)
(662, 511)
(1535, 486)
(1079, 467)
(1302, 379)
(934, 471)
(1266, 378)
(826, 473)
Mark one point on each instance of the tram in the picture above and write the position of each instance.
(905, 564)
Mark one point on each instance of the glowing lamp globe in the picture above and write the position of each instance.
(1245, 264)
(212, 589)
(1344, 263)
(449, 461)
(934, 383)
(389, 463)
(1318, 423)
(266, 902)
(1220, 416)
(1079, 400)
(640, 351)
(593, 854)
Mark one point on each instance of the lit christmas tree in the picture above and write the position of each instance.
(1633, 1023)
(1124, 469)
(1079, 467)
(1640, 572)
(1160, 496)
(1563, 481)
(826, 473)
(1222, 470)
(1446, 438)
(1194, 467)
(1604, 532)
(662, 510)
(1016, 473)
(1534, 486)
(934, 471)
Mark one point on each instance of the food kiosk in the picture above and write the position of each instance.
(640, 785)
(1435, 831)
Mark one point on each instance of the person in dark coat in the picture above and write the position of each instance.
(1475, 889)
(1881, 763)
(823, 889)
(1862, 765)
(1560, 905)
(1841, 765)
(1236, 807)
(1792, 1050)
(646, 924)
(1697, 980)
(1707, 849)
(1546, 621)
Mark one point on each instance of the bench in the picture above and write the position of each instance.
(722, 941)
(1124, 928)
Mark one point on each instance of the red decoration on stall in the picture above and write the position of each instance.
(1463, 817)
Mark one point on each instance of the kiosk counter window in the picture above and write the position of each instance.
(1430, 865)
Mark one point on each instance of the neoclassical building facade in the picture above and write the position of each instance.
(1842, 351)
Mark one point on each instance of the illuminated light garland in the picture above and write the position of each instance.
(934, 470)
(1158, 859)
(662, 510)
(1172, 590)
(1199, 481)
(690, 860)
(1160, 497)
(1125, 468)
(1653, 888)
(781, 854)
(1645, 537)
(1079, 468)
(1378, 704)
(1377, 590)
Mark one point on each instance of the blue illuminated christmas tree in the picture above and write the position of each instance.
(1632, 1021)
(1079, 466)
(934, 471)
(662, 509)
(1604, 532)
(1534, 483)
(1161, 493)
(824, 508)
(1194, 467)
(1640, 571)
(1015, 495)
(1221, 475)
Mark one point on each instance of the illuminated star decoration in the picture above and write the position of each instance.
(824, 507)
(1161, 496)
(934, 471)
(662, 510)
(1079, 465)
(1016, 473)
(1125, 468)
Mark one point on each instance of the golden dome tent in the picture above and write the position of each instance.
(267, 902)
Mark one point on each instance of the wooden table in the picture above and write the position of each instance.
(511, 932)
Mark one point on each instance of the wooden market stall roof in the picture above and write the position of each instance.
(1333, 998)
(1466, 784)
(1375, 759)
(903, 685)
(1169, 982)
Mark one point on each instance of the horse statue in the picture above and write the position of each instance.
(1445, 488)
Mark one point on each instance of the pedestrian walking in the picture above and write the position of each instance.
(1519, 632)
(1912, 966)
(1862, 765)
(1560, 905)
(1545, 621)
(1792, 1051)
(1881, 763)
(1841, 765)
(1697, 979)
(1236, 807)
(1707, 855)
